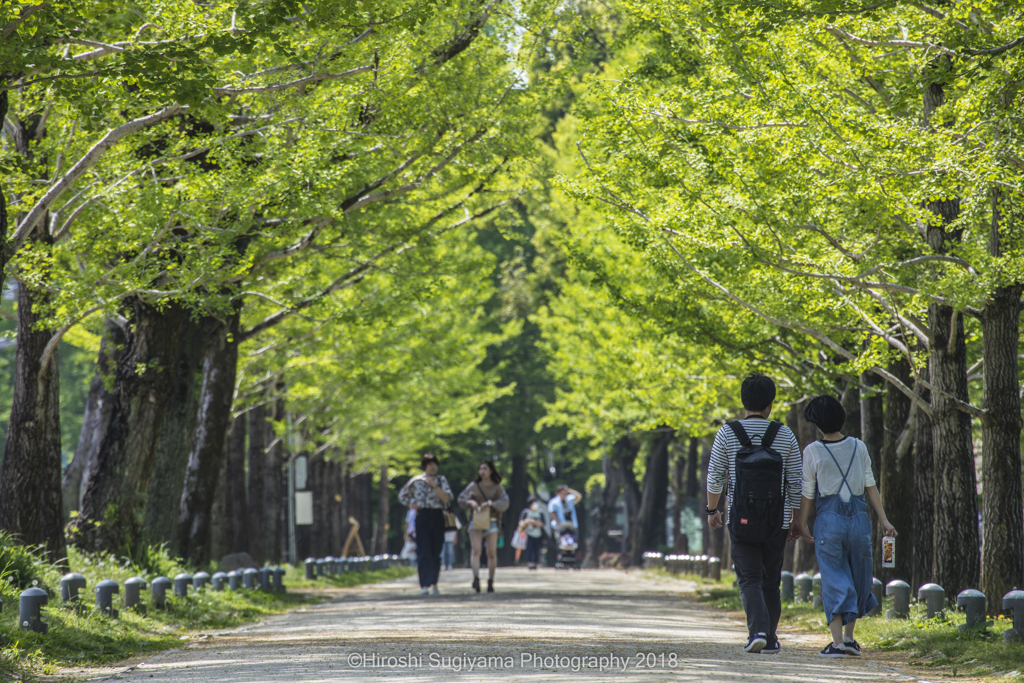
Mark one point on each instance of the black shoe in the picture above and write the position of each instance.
(476, 583)
(772, 648)
(490, 585)
(852, 647)
(756, 643)
(832, 651)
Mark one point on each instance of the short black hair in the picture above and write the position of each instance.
(428, 458)
(826, 413)
(757, 392)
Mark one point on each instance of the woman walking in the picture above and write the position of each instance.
(837, 477)
(485, 499)
(427, 494)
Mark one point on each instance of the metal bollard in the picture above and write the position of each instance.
(934, 598)
(1014, 600)
(218, 581)
(310, 569)
(321, 568)
(105, 592)
(900, 592)
(249, 578)
(159, 588)
(70, 584)
(133, 588)
(803, 584)
(29, 604)
(876, 590)
(234, 579)
(278, 579)
(816, 583)
(181, 583)
(329, 565)
(973, 603)
(715, 569)
(200, 580)
(787, 587)
(266, 579)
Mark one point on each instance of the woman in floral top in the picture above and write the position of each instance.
(428, 493)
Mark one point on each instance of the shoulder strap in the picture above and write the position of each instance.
(740, 432)
(770, 434)
(853, 459)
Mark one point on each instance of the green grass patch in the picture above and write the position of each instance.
(935, 643)
(81, 635)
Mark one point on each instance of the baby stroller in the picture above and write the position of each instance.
(567, 556)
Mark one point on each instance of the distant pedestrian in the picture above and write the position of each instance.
(409, 549)
(837, 476)
(427, 494)
(533, 525)
(448, 552)
(764, 493)
(485, 499)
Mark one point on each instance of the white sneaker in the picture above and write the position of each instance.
(434, 591)
(424, 591)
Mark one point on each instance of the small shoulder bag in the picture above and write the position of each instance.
(482, 516)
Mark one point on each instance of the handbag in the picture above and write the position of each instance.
(450, 521)
(519, 539)
(482, 516)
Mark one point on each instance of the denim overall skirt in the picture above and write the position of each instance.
(842, 544)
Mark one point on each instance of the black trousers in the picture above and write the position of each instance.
(759, 573)
(532, 550)
(429, 542)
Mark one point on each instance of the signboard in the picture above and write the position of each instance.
(300, 472)
(303, 507)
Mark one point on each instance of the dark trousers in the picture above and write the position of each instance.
(532, 550)
(759, 573)
(429, 541)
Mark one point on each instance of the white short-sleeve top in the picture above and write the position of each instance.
(821, 473)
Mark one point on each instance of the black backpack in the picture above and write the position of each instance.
(758, 502)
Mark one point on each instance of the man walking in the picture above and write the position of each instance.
(762, 463)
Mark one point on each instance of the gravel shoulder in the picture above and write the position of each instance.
(591, 625)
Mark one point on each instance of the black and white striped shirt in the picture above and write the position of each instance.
(722, 464)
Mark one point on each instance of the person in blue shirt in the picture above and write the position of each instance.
(562, 507)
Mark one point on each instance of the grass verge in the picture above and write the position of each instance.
(936, 644)
(81, 635)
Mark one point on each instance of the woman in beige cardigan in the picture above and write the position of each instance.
(485, 494)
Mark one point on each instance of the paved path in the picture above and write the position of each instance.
(539, 626)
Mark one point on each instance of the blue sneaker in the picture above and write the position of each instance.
(833, 652)
(772, 648)
(756, 643)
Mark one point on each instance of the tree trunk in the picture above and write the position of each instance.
(257, 457)
(30, 477)
(1002, 563)
(956, 502)
(4, 105)
(872, 430)
(692, 466)
(924, 494)
(606, 511)
(851, 403)
(96, 420)
(114, 505)
(163, 500)
(650, 520)
(273, 486)
(364, 485)
(220, 521)
(317, 469)
(209, 445)
(631, 493)
(517, 495)
(235, 507)
(380, 541)
(336, 491)
(895, 476)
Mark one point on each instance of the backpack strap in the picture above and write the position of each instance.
(740, 432)
(770, 434)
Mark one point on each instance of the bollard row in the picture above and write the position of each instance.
(71, 585)
(701, 565)
(317, 568)
(805, 588)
